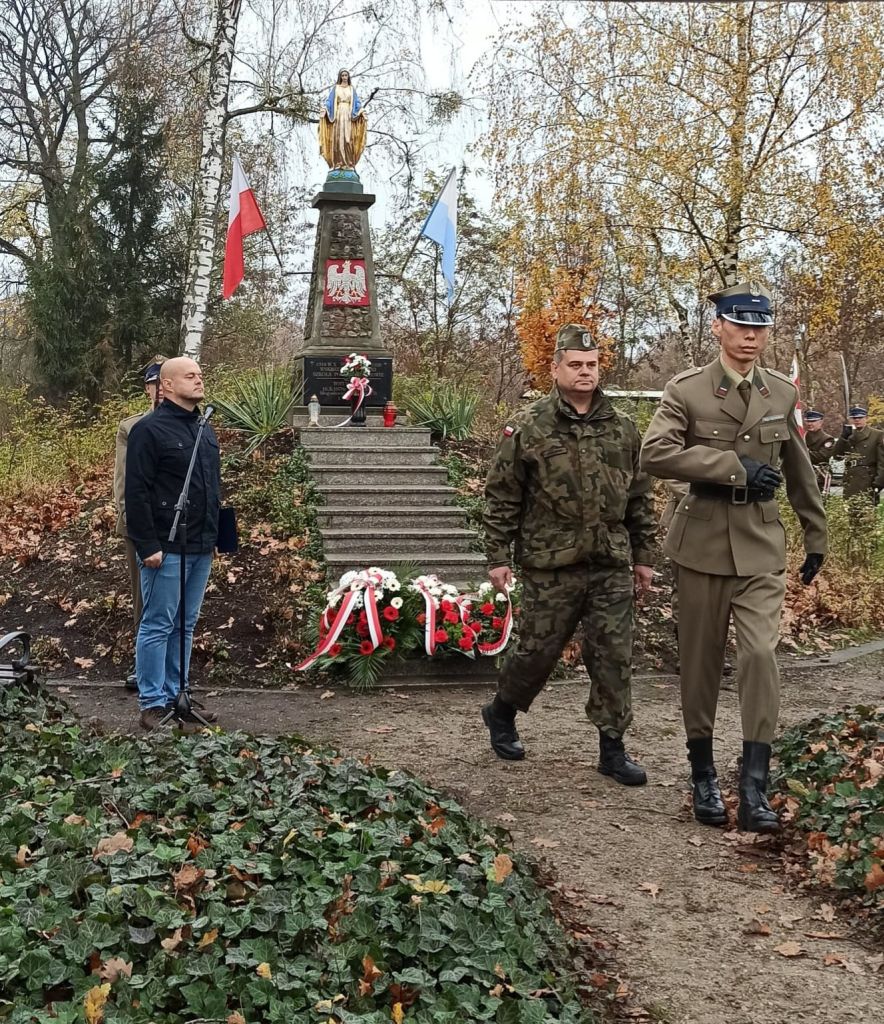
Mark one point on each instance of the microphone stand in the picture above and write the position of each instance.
(182, 709)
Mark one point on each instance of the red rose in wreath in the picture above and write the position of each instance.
(366, 647)
(334, 650)
(391, 614)
(440, 636)
(421, 619)
(487, 608)
(466, 642)
(389, 642)
(449, 617)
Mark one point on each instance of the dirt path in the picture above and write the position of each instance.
(670, 899)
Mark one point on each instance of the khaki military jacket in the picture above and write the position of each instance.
(863, 453)
(820, 448)
(697, 435)
(565, 489)
(120, 470)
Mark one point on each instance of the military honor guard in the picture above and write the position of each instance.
(862, 448)
(728, 429)
(820, 445)
(568, 504)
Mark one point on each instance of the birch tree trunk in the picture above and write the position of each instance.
(202, 247)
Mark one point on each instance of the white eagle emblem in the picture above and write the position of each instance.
(345, 284)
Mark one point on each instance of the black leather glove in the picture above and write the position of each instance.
(846, 431)
(760, 474)
(812, 565)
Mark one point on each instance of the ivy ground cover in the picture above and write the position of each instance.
(231, 878)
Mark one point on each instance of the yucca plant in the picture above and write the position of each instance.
(446, 408)
(259, 404)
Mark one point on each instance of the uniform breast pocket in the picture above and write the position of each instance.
(772, 436)
(615, 455)
(691, 509)
(716, 433)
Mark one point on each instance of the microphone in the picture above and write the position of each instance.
(208, 413)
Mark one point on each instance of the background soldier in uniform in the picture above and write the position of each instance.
(862, 447)
(729, 429)
(154, 390)
(819, 445)
(565, 488)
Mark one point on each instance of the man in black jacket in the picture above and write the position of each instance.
(158, 455)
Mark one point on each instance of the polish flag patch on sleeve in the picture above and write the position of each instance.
(508, 431)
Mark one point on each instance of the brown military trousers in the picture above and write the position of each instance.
(553, 602)
(706, 604)
(134, 581)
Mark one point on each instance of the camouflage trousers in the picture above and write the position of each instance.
(553, 602)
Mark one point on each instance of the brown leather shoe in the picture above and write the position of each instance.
(151, 717)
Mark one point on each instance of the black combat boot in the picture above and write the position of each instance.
(500, 718)
(755, 813)
(614, 761)
(708, 805)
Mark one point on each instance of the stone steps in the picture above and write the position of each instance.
(326, 456)
(395, 475)
(442, 517)
(372, 435)
(461, 568)
(393, 496)
(425, 543)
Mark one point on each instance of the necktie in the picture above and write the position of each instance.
(744, 389)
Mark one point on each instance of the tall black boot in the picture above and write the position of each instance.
(708, 805)
(614, 761)
(755, 813)
(500, 718)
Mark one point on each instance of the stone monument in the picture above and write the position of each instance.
(342, 307)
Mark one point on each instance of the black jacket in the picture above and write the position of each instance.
(157, 458)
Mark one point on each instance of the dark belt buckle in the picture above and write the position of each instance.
(739, 495)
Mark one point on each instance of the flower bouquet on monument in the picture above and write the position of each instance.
(456, 623)
(358, 368)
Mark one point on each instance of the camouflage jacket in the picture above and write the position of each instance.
(565, 488)
(863, 453)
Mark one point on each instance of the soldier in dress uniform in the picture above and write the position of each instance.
(154, 390)
(565, 490)
(819, 445)
(729, 430)
(862, 448)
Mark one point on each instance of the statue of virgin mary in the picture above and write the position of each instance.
(342, 125)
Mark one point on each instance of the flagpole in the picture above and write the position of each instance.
(273, 247)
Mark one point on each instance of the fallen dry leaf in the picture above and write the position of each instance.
(21, 858)
(370, 975)
(503, 867)
(173, 941)
(756, 927)
(263, 971)
(506, 816)
(94, 1001)
(236, 1018)
(381, 729)
(115, 968)
(85, 662)
(75, 819)
(826, 913)
(397, 1014)
(650, 887)
(326, 694)
(875, 877)
(208, 938)
(824, 935)
(117, 843)
(789, 949)
(547, 844)
(189, 876)
(695, 841)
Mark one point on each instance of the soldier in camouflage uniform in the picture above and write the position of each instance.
(565, 491)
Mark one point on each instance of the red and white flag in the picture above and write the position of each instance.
(796, 380)
(245, 219)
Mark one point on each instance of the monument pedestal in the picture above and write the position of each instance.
(342, 307)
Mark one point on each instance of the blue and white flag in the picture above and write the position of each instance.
(441, 227)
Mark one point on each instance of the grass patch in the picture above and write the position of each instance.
(174, 878)
(831, 778)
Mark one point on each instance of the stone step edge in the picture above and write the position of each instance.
(337, 466)
(334, 532)
(374, 489)
(442, 558)
(384, 449)
(434, 510)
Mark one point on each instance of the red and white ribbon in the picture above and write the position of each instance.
(357, 386)
(363, 584)
(430, 613)
(492, 647)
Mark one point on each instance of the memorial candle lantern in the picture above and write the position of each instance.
(390, 411)
(313, 408)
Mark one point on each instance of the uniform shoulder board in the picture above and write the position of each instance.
(780, 376)
(509, 430)
(687, 373)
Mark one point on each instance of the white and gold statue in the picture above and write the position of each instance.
(342, 125)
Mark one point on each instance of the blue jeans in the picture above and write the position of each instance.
(158, 645)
